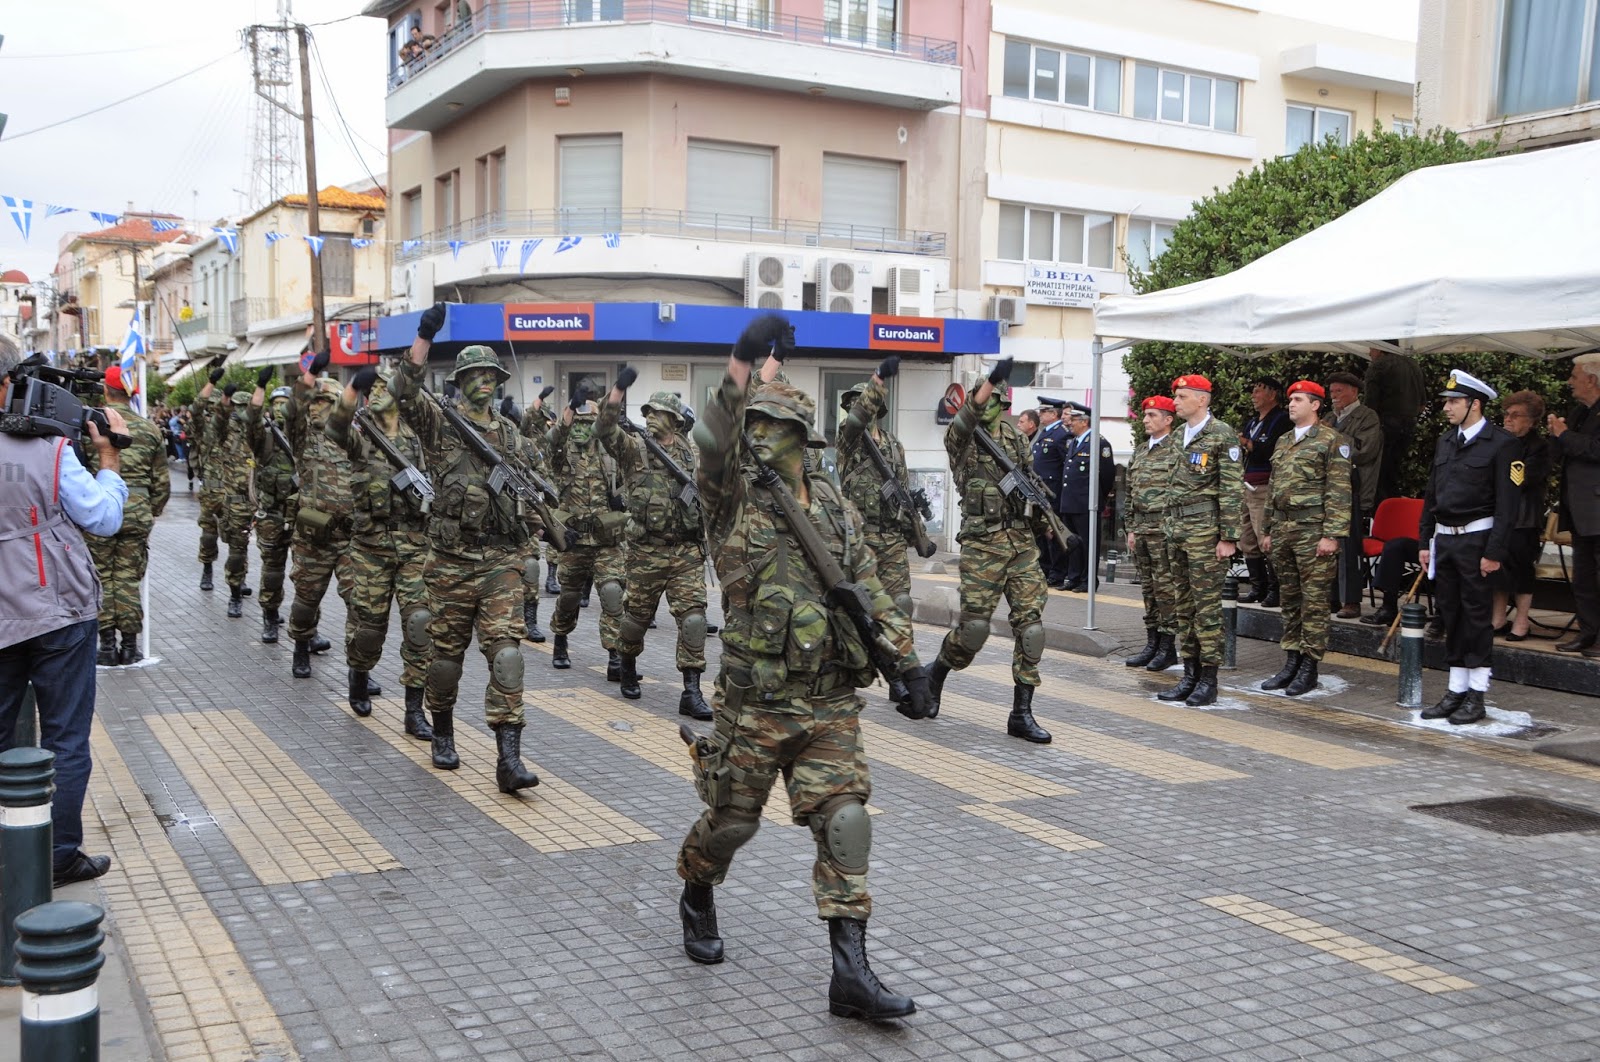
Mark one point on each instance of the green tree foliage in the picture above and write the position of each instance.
(1281, 200)
(182, 393)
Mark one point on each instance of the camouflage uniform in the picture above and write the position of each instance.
(121, 558)
(587, 478)
(1149, 480)
(202, 447)
(277, 503)
(888, 532)
(322, 522)
(535, 426)
(234, 464)
(1205, 504)
(1308, 499)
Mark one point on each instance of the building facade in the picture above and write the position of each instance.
(100, 276)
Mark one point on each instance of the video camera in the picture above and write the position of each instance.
(49, 401)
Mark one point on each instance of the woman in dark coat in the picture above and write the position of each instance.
(1524, 412)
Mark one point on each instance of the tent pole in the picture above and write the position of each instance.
(1098, 355)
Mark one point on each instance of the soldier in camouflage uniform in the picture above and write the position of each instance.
(121, 558)
(1204, 509)
(479, 542)
(277, 497)
(234, 465)
(534, 424)
(998, 553)
(590, 490)
(785, 696)
(1149, 479)
(388, 549)
(666, 549)
(201, 447)
(1308, 511)
(321, 541)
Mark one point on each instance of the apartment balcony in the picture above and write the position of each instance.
(508, 43)
(205, 332)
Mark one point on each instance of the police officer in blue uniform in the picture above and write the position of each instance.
(1076, 508)
(1050, 445)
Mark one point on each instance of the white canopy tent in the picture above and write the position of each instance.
(1493, 255)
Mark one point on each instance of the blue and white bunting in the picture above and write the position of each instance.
(22, 213)
(164, 225)
(229, 238)
(455, 248)
(104, 218)
(528, 247)
(568, 243)
(407, 246)
(613, 239)
(315, 243)
(51, 210)
(500, 247)
(360, 243)
(274, 237)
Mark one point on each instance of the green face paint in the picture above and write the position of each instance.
(779, 443)
(280, 409)
(582, 432)
(990, 414)
(380, 401)
(477, 387)
(661, 424)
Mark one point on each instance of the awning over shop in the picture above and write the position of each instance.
(186, 370)
(280, 349)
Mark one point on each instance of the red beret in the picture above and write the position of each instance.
(1159, 402)
(1193, 382)
(1307, 387)
(114, 378)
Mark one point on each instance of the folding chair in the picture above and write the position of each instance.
(1395, 518)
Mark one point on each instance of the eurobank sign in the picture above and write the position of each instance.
(905, 333)
(550, 321)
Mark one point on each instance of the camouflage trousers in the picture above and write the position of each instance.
(1005, 562)
(815, 744)
(238, 515)
(1305, 582)
(1150, 560)
(317, 560)
(679, 572)
(273, 533)
(574, 569)
(894, 569)
(212, 502)
(483, 597)
(120, 560)
(387, 567)
(1196, 577)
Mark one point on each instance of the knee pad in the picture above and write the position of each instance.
(531, 576)
(904, 603)
(303, 617)
(972, 632)
(630, 631)
(611, 597)
(505, 668)
(1030, 640)
(567, 601)
(725, 830)
(367, 640)
(692, 631)
(443, 675)
(414, 627)
(844, 834)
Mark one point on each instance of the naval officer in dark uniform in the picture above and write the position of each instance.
(1076, 507)
(1468, 514)
(1050, 444)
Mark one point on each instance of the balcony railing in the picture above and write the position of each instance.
(733, 228)
(242, 313)
(194, 326)
(557, 14)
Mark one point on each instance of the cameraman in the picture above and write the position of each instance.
(49, 600)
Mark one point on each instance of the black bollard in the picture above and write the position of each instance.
(59, 960)
(1413, 621)
(1230, 622)
(26, 839)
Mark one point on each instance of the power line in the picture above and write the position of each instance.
(109, 51)
(125, 99)
(350, 136)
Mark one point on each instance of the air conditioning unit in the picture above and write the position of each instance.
(911, 291)
(1012, 309)
(1051, 381)
(773, 282)
(844, 286)
(411, 285)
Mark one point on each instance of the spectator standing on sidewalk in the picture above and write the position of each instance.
(1258, 440)
(1364, 428)
(1576, 441)
(1530, 474)
(1049, 446)
(1397, 392)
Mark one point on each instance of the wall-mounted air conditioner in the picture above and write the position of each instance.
(1012, 309)
(411, 286)
(844, 286)
(1051, 381)
(773, 282)
(911, 291)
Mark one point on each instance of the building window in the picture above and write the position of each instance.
(756, 14)
(447, 202)
(729, 184)
(1036, 234)
(1405, 126)
(338, 266)
(1166, 95)
(411, 214)
(593, 10)
(492, 185)
(1550, 55)
(591, 183)
(871, 22)
(369, 225)
(860, 197)
(1147, 238)
(1033, 71)
(1312, 125)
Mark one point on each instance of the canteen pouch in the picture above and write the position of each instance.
(611, 526)
(475, 509)
(314, 524)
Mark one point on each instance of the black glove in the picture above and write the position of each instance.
(580, 398)
(549, 389)
(319, 362)
(920, 706)
(889, 368)
(432, 321)
(216, 374)
(230, 389)
(264, 377)
(363, 380)
(927, 549)
(759, 336)
(626, 377)
(1001, 372)
(509, 410)
(451, 390)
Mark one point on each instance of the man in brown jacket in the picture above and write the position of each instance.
(1364, 428)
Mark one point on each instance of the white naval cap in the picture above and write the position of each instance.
(1463, 384)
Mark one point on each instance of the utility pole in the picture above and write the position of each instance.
(319, 327)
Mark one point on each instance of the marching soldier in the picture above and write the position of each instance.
(1076, 507)
(667, 552)
(1050, 445)
(201, 447)
(1149, 480)
(1468, 513)
(785, 696)
(388, 546)
(234, 464)
(1308, 511)
(121, 558)
(277, 495)
(1204, 509)
(998, 554)
(534, 424)
(478, 543)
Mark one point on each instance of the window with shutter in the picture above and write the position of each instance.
(591, 183)
(860, 197)
(729, 185)
(338, 266)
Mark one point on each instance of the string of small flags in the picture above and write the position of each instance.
(501, 247)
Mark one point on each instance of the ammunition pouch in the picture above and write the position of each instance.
(317, 526)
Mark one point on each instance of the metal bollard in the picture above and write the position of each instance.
(1230, 622)
(1413, 618)
(1112, 557)
(25, 843)
(59, 948)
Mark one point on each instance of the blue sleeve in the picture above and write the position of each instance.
(94, 502)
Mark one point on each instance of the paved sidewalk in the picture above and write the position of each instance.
(1159, 883)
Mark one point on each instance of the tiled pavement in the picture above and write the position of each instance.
(1160, 883)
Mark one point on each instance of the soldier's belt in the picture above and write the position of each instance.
(481, 541)
(1289, 512)
(1207, 507)
(1485, 523)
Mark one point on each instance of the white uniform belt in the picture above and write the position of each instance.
(1480, 524)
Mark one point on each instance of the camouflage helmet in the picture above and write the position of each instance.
(241, 397)
(280, 392)
(478, 356)
(332, 390)
(664, 402)
(974, 380)
(784, 401)
(848, 399)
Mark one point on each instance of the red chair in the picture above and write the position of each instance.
(1395, 518)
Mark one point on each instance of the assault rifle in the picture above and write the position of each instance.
(688, 493)
(1022, 485)
(407, 478)
(526, 485)
(894, 493)
(288, 451)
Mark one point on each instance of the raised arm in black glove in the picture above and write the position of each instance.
(264, 377)
(230, 389)
(319, 362)
(626, 377)
(509, 410)
(580, 398)
(1001, 372)
(760, 335)
(432, 321)
(363, 380)
(216, 374)
(549, 389)
(889, 367)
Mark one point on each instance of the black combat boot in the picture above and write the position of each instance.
(129, 653)
(613, 666)
(1152, 643)
(205, 576)
(107, 656)
(1446, 707)
(360, 703)
(588, 592)
(551, 585)
(1258, 580)
(269, 625)
(510, 773)
(1285, 675)
(1185, 686)
(1471, 710)
(444, 742)
(558, 653)
(698, 909)
(245, 591)
(302, 659)
(1021, 724)
(235, 603)
(1205, 688)
(630, 678)
(1305, 677)
(318, 644)
(936, 677)
(692, 703)
(1166, 654)
(898, 693)
(1273, 598)
(373, 689)
(416, 719)
(530, 620)
(855, 991)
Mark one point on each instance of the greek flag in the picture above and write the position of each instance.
(360, 243)
(158, 225)
(51, 210)
(500, 247)
(104, 218)
(613, 239)
(21, 212)
(132, 351)
(316, 245)
(528, 247)
(455, 248)
(274, 237)
(568, 243)
(229, 238)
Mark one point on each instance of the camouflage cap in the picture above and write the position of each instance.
(241, 397)
(332, 390)
(848, 399)
(664, 402)
(784, 401)
(477, 356)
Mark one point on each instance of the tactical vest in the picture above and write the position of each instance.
(467, 517)
(379, 507)
(325, 478)
(863, 484)
(275, 472)
(985, 508)
(236, 458)
(587, 480)
(659, 516)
